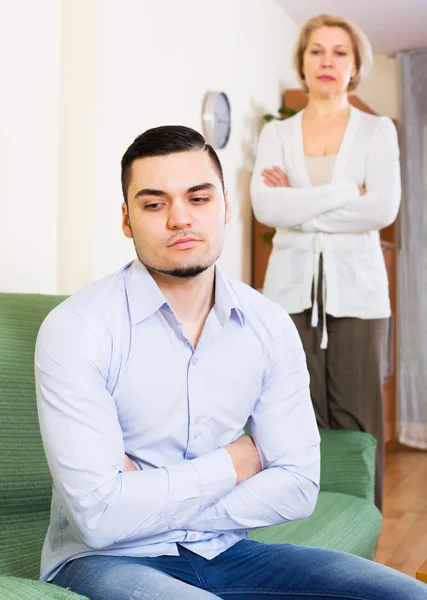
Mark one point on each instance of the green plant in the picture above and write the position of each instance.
(268, 236)
(284, 112)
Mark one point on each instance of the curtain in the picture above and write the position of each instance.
(412, 255)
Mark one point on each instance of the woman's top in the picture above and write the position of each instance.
(331, 219)
(320, 169)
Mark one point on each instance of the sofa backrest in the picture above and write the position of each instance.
(25, 482)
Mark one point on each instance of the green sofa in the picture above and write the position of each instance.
(345, 517)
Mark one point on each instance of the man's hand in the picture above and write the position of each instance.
(129, 466)
(243, 454)
(245, 457)
(275, 177)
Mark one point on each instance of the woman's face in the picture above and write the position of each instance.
(329, 61)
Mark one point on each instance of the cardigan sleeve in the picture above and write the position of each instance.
(289, 206)
(377, 208)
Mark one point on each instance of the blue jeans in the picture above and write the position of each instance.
(247, 570)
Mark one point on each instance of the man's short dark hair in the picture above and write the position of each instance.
(164, 140)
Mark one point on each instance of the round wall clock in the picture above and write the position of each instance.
(216, 118)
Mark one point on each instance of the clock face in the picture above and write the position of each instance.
(217, 119)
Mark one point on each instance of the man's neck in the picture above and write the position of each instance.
(191, 299)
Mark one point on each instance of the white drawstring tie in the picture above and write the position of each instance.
(318, 248)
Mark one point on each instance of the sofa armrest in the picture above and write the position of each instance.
(15, 588)
(348, 462)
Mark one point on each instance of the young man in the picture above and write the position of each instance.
(145, 381)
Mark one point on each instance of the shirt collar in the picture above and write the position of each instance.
(143, 294)
(226, 302)
(145, 298)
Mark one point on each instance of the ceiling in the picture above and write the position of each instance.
(391, 25)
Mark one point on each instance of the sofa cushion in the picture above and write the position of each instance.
(339, 522)
(21, 541)
(12, 588)
(25, 482)
(348, 462)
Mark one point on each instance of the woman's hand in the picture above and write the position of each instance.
(275, 177)
(362, 190)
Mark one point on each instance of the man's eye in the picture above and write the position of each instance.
(153, 206)
(200, 199)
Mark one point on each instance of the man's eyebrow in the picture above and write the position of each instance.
(149, 192)
(200, 187)
(195, 188)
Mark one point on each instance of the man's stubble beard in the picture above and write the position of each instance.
(178, 272)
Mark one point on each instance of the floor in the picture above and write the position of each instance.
(403, 541)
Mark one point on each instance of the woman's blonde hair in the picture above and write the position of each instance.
(361, 47)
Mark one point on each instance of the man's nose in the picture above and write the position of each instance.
(179, 216)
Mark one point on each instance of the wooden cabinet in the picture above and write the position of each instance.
(261, 249)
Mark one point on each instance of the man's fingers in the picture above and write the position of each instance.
(129, 466)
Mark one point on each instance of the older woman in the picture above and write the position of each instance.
(328, 180)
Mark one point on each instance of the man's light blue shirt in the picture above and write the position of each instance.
(115, 374)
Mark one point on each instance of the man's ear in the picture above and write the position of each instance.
(125, 221)
(227, 207)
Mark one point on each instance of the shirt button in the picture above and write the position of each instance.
(194, 361)
(197, 435)
(187, 344)
(171, 524)
(192, 537)
(197, 420)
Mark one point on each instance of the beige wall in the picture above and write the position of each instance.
(76, 144)
(380, 89)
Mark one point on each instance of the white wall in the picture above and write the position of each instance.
(154, 63)
(29, 123)
(82, 78)
(380, 90)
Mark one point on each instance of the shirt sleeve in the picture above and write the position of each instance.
(289, 206)
(85, 450)
(284, 429)
(377, 208)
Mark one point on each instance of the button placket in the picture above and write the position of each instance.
(195, 406)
